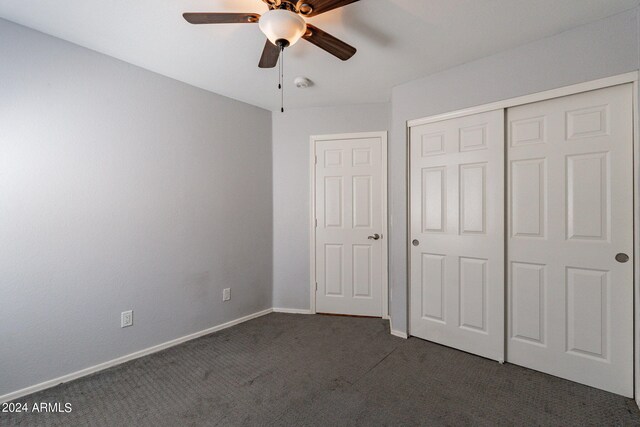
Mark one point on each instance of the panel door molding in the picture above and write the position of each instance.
(457, 221)
(570, 209)
(349, 269)
(568, 236)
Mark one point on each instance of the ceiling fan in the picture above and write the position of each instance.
(284, 25)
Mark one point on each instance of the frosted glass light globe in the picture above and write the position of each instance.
(282, 25)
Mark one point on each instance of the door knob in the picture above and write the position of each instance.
(415, 242)
(374, 237)
(622, 258)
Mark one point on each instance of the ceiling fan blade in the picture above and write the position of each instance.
(326, 41)
(322, 6)
(270, 55)
(221, 18)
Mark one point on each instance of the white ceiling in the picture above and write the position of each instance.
(397, 40)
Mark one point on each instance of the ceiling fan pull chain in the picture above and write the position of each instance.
(282, 79)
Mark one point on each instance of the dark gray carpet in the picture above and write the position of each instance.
(294, 370)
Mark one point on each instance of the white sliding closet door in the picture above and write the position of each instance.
(570, 237)
(457, 233)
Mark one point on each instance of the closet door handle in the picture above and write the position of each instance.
(374, 237)
(622, 258)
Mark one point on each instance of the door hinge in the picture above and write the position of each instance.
(316, 286)
(315, 161)
(316, 222)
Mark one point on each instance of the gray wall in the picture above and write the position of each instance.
(121, 189)
(291, 170)
(600, 49)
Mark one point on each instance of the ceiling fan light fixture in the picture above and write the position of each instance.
(282, 27)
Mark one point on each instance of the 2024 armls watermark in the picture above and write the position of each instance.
(36, 407)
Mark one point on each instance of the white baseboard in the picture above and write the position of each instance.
(291, 310)
(396, 333)
(117, 361)
(92, 369)
(399, 334)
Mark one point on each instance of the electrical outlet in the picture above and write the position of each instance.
(226, 294)
(126, 318)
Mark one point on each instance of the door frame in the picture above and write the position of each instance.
(631, 77)
(312, 214)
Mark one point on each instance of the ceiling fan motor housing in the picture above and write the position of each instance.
(297, 6)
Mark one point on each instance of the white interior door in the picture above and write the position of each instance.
(571, 213)
(457, 233)
(350, 244)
